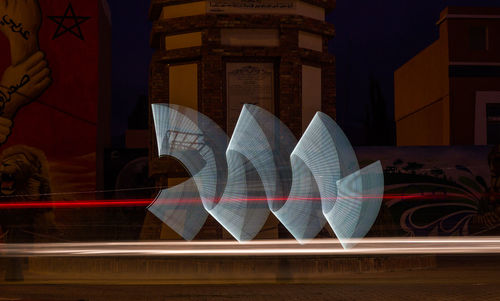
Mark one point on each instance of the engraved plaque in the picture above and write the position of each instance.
(251, 83)
(251, 6)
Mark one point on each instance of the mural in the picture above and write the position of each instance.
(49, 92)
(440, 191)
(28, 75)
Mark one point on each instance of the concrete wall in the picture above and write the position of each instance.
(422, 98)
(429, 126)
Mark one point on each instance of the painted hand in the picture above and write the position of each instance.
(23, 83)
(5, 128)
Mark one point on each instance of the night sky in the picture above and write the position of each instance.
(373, 39)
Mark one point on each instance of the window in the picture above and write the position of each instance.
(493, 123)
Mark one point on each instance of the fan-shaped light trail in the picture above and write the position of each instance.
(366, 246)
(5, 204)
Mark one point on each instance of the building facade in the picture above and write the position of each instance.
(449, 94)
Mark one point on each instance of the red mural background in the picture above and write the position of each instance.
(64, 121)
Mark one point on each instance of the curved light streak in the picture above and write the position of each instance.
(179, 135)
(263, 161)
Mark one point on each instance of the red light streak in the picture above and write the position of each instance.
(146, 202)
(77, 204)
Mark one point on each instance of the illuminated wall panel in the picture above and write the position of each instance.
(183, 10)
(183, 83)
(186, 40)
(310, 41)
(311, 93)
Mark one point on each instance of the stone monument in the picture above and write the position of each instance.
(215, 56)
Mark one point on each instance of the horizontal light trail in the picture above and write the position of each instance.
(76, 204)
(367, 246)
(146, 202)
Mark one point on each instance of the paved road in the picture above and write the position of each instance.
(457, 278)
(289, 292)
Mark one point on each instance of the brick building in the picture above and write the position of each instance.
(203, 48)
(449, 94)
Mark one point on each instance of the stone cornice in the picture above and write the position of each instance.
(157, 5)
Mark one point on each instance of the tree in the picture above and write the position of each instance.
(377, 123)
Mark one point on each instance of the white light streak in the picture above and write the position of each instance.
(367, 246)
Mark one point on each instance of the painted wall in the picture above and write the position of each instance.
(437, 190)
(58, 103)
